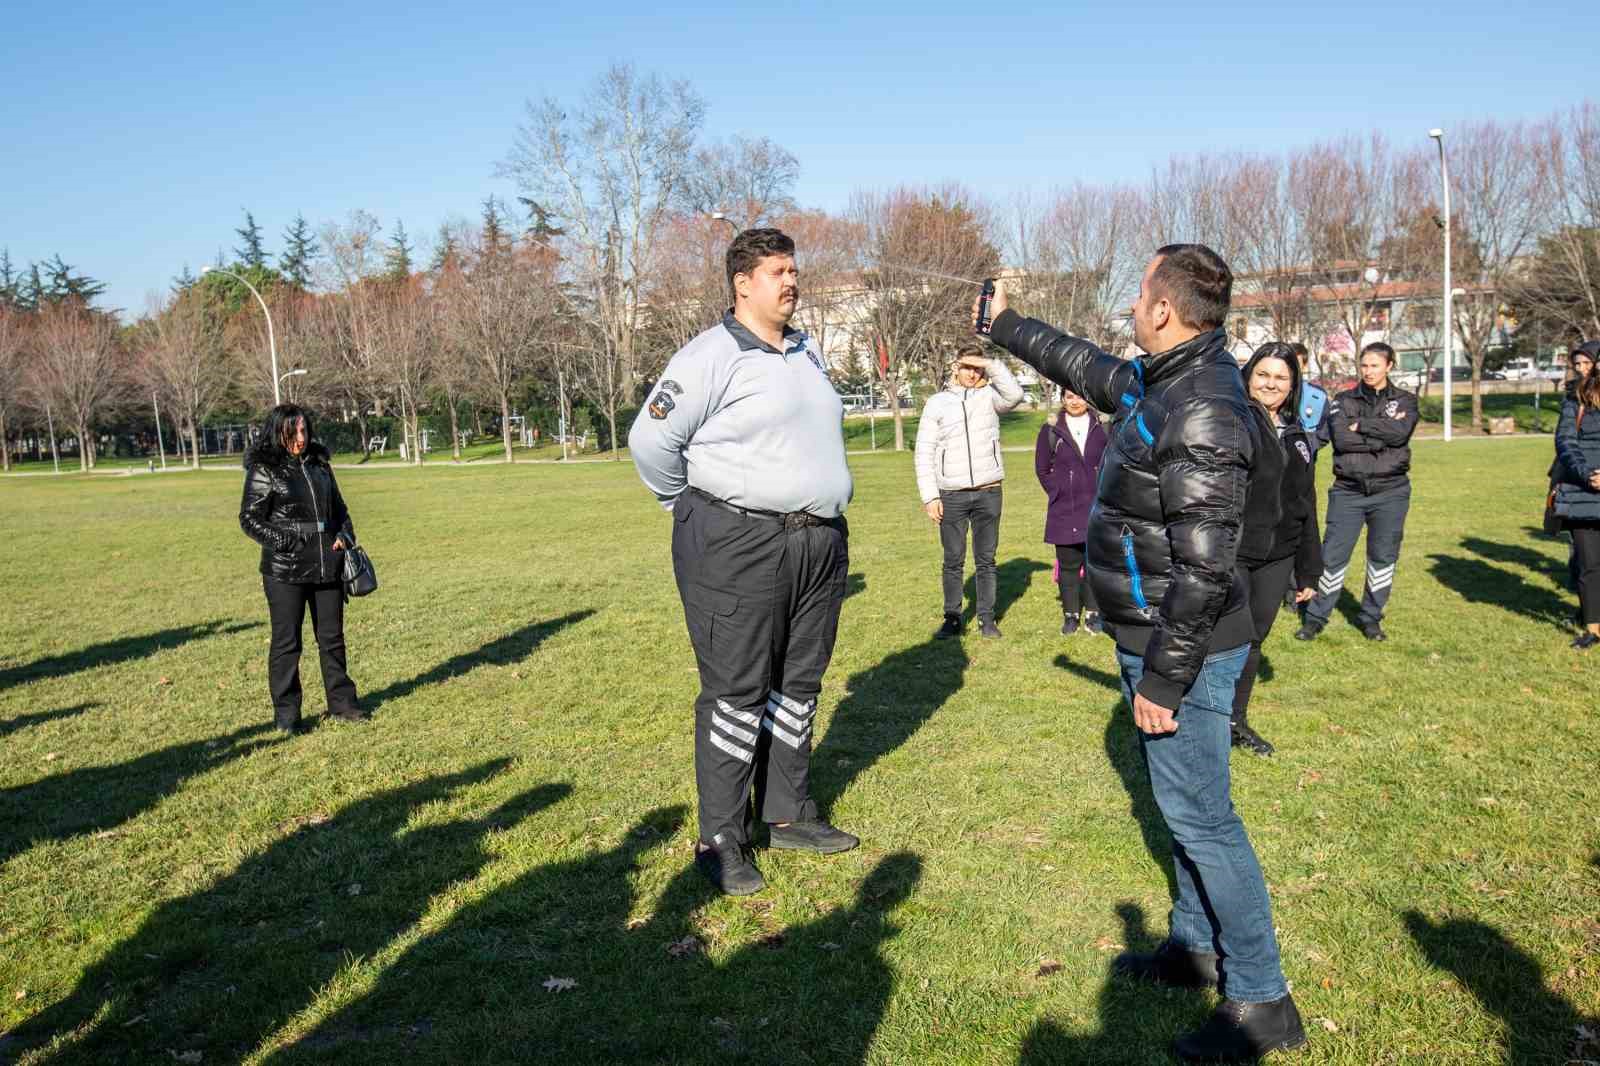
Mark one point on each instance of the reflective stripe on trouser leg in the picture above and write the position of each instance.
(725, 567)
(814, 571)
(1386, 526)
(1346, 514)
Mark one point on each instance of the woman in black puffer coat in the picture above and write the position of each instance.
(293, 509)
(1578, 496)
(1279, 546)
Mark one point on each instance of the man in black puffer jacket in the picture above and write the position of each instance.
(1163, 537)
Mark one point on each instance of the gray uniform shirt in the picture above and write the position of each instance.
(740, 420)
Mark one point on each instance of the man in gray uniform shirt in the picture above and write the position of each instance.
(742, 440)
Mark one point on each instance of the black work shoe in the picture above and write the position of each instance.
(1585, 641)
(951, 627)
(1250, 740)
(1069, 624)
(1092, 623)
(817, 836)
(294, 728)
(987, 628)
(726, 864)
(1243, 1032)
(1169, 964)
(1309, 631)
(1373, 631)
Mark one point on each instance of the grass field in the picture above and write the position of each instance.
(179, 885)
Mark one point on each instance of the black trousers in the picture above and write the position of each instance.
(1586, 557)
(286, 605)
(979, 509)
(1268, 583)
(1075, 590)
(1383, 514)
(761, 601)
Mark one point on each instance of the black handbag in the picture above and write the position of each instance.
(360, 578)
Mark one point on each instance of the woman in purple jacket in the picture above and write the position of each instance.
(1067, 460)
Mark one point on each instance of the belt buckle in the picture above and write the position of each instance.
(322, 527)
(797, 520)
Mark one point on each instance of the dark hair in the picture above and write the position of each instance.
(1589, 388)
(272, 445)
(1382, 349)
(753, 245)
(1286, 354)
(1300, 351)
(1196, 281)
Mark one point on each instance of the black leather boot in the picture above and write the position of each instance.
(1243, 1032)
(1169, 964)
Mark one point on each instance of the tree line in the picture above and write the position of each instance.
(570, 299)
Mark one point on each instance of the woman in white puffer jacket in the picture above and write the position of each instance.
(959, 473)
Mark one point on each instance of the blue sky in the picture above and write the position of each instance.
(134, 135)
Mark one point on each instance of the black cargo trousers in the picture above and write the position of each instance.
(761, 597)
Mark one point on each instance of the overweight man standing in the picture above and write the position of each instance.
(1163, 537)
(742, 441)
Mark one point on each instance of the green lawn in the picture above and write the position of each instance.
(180, 886)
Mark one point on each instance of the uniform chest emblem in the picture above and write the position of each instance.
(1305, 452)
(1391, 409)
(815, 360)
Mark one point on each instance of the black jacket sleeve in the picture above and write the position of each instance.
(1574, 467)
(1308, 560)
(1393, 432)
(1097, 376)
(1203, 454)
(341, 514)
(255, 509)
(1347, 440)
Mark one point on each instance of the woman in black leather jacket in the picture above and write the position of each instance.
(293, 509)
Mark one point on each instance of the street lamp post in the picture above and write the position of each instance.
(272, 343)
(718, 216)
(286, 375)
(1449, 293)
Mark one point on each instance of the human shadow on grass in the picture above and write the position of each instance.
(28, 721)
(1011, 581)
(503, 651)
(883, 707)
(1137, 1022)
(1540, 1026)
(550, 968)
(1478, 582)
(100, 798)
(219, 971)
(123, 649)
(1535, 562)
(854, 584)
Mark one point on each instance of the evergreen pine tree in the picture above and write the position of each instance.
(62, 283)
(252, 254)
(496, 240)
(33, 295)
(300, 249)
(397, 256)
(446, 250)
(10, 281)
(540, 230)
(183, 282)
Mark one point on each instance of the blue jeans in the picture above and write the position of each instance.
(1222, 903)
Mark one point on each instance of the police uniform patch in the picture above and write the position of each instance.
(1305, 453)
(663, 403)
(1392, 409)
(816, 362)
(668, 385)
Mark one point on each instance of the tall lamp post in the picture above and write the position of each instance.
(272, 343)
(287, 374)
(1449, 293)
(718, 216)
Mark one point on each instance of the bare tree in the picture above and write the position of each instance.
(687, 289)
(180, 355)
(1502, 199)
(751, 182)
(828, 249)
(78, 368)
(353, 309)
(404, 335)
(609, 173)
(913, 317)
(13, 342)
(1563, 289)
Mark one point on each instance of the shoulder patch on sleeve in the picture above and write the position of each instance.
(662, 404)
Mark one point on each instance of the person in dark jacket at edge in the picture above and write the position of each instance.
(1162, 547)
(1578, 497)
(1066, 459)
(293, 509)
(1579, 363)
(1280, 548)
(1372, 426)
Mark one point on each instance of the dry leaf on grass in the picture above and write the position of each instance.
(1048, 967)
(52, 756)
(22, 993)
(1105, 943)
(168, 681)
(689, 945)
(354, 889)
(1327, 1023)
(559, 984)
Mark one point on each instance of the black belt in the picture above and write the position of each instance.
(309, 527)
(789, 519)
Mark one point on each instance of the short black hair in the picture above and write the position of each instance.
(1382, 349)
(753, 245)
(1300, 351)
(1196, 281)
